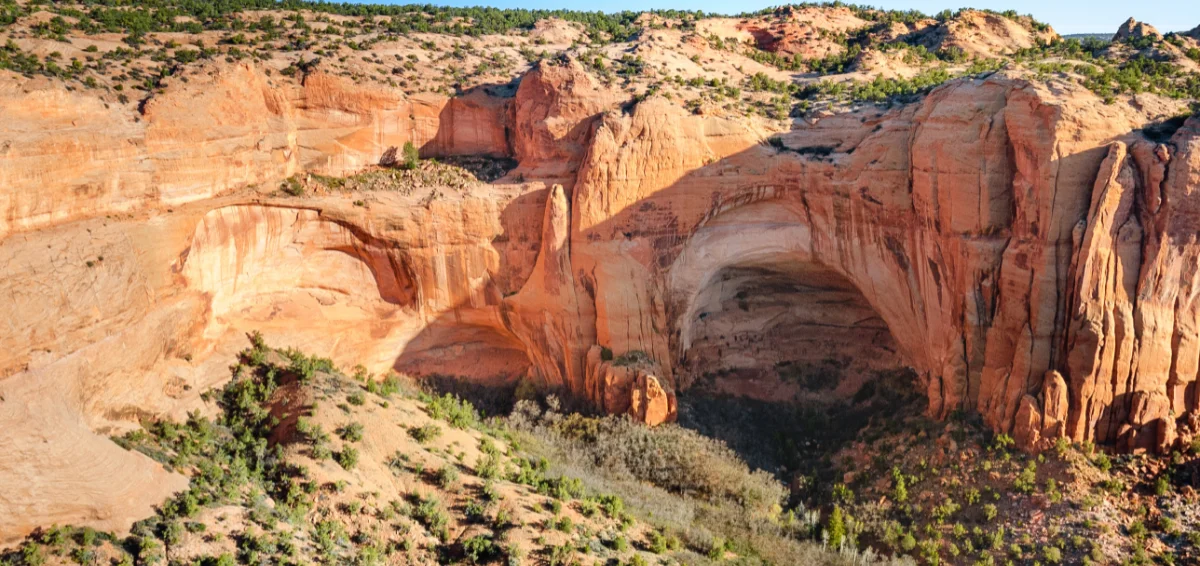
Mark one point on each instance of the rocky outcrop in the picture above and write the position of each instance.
(1042, 419)
(628, 385)
(802, 31)
(552, 116)
(983, 34)
(1133, 29)
(978, 240)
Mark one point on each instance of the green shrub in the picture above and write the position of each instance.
(899, 486)
(351, 432)
(588, 508)
(480, 549)
(561, 555)
(386, 387)
(348, 457)
(836, 527)
(321, 452)
(513, 555)
(1137, 530)
(488, 468)
(32, 555)
(425, 433)
(430, 514)
(1162, 486)
(447, 476)
(475, 511)
(452, 409)
(1026, 480)
(292, 187)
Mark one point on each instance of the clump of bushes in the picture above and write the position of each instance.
(668, 456)
(425, 433)
(456, 411)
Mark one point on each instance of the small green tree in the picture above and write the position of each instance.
(348, 457)
(32, 555)
(899, 489)
(411, 156)
(836, 527)
(1162, 486)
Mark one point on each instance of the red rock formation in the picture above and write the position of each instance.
(984, 34)
(1032, 252)
(552, 116)
(1003, 233)
(227, 127)
(1133, 29)
(803, 32)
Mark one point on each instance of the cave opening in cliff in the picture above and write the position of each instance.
(784, 331)
(786, 361)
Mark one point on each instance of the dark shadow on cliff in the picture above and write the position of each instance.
(474, 122)
(466, 351)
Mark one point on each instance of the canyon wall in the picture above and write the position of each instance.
(1031, 250)
(68, 155)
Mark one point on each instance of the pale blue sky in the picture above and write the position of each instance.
(1067, 16)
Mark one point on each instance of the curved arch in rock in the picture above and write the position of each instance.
(750, 296)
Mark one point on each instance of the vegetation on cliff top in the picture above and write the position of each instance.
(139, 17)
(128, 51)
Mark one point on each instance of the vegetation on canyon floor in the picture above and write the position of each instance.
(951, 492)
(299, 462)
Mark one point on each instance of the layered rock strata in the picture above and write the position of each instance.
(1031, 250)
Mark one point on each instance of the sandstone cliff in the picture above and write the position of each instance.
(69, 155)
(1031, 251)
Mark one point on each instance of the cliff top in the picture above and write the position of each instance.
(779, 63)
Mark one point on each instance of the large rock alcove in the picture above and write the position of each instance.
(763, 318)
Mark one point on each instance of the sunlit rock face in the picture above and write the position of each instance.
(1030, 253)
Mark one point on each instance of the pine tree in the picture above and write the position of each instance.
(900, 491)
(836, 528)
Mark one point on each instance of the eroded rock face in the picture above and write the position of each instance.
(552, 116)
(67, 156)
(974, 224)
(797, 31)
(1027, 250)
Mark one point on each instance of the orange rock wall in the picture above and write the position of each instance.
(1032, 252)
(998, 227)
(68, 155)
